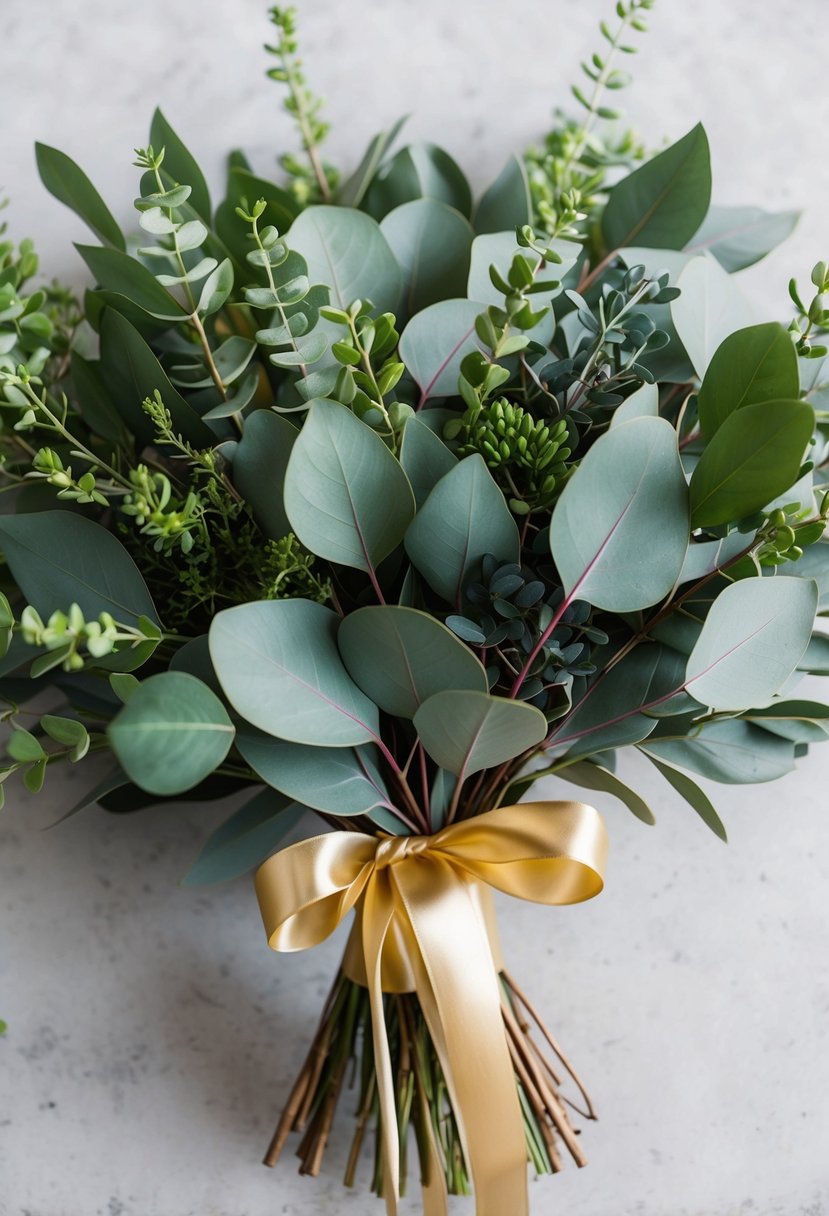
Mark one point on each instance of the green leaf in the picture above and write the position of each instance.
(6, 626)
(593, 777)
(131, 372)
(172, 733)
(693, 795)
(425, 458)
(352, 191)
(506, 203)
(754, 635)
(339, 781)
(346, 250)
(421, 170)
(431, 242)
(800, 721)
(466, 731)
(180, 165)
(709, 308)
(259, 464)
(643, 403)
(118, 272)
(244, 840)
(754, 456)
(281, 210)
(498, 249)
(216, 289)
(58, 558)
(278, 663)
(94, 402)
(704, 557)
(67, 731)
(733, 752)
(815, 661)
(740, 236)
(400, 657)
(123, 684)
(663, 202)
(70, 185)
(464, 518)
(755, 364)
(434, 344)
(619, 532)
(24, 747)
(346, 496)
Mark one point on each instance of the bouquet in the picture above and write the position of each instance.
(352, 496)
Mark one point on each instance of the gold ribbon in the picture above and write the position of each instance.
(416, 900)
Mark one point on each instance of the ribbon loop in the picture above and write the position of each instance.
(416, 901)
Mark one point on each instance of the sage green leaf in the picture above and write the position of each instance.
(400, 657)
(710, 306)
(815, 564)
(346, 496)
(216, 289)
(466, 731)
(340, 781)
(244, 840)
(740, 236)
(643, 403)
(815, 661)
(58, 558)
(425, 458)
(754, 635)
(733, 752)
(132, 373)
(619, 532)
(799, 721)
(431, 242)
(754, 456)
(107, 785)
(118, 272)
(259, 464)
(171, 734)
(755, 364)
(693, 795)
(346, 250)
(278, 663)
(421, 170)
(704, 557)
(506, 203)
(464, 518)
(434, 344)
(180, 165)
(194, 658)
(663, 202)
(593, 777)
(352, 191)
(69, 185)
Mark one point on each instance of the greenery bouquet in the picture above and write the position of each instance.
(356, 497)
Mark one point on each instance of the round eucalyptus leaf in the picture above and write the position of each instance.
(400, 657)
(710, 306)
(431, 242)
(260, 462)
(754, 635)
(465, 731)
(733, 752)
(434, 344)
(620, 533)
(740, 236)
(346, 496)
(171, 734)
(346, 251)
(278, 663)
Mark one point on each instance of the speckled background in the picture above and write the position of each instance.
(151, 1033)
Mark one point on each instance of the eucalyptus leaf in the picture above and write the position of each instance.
(118, 272)
(400, 657)
(506, 203)
(424, 456)
(693, 795)
(498, 249)
(180, 165)
(421, 170)
(619, 532)
(244, 840)
(733, 752)
(464, 518)
(346, 250)
(593, 777)
(643, 403)
(259, 465)
(431, 242)
(740, 236)
(70, 185)
(346, 496)
(352, 192)
(172, 733)
(710, 306)
(278, 663)
(756, 632)
(752, 365)
(465, 731)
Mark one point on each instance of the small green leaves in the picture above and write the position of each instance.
(278, 663)
(620, 530)
(465, 732)
(755, 456)
(755, 634)
(752, 365)
(346, 496)
(464, 518)
(662, 203)
(70, 185)
(172, 733)
(400, 657)
(179, 165)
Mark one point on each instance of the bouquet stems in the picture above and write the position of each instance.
(341, 1055)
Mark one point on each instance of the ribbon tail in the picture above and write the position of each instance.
(378, 912)
(457, 986)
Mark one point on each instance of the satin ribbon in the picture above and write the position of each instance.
(416, 899)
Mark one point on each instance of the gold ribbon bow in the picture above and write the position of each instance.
(416, 895)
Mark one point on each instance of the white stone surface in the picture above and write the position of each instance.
(151, 1034)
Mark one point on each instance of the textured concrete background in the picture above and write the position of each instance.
(151, 1034)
